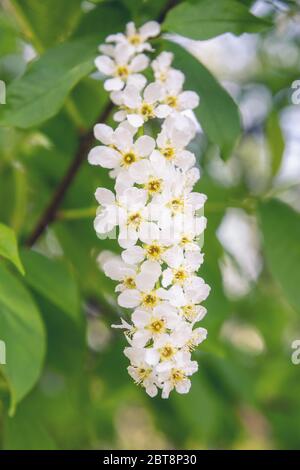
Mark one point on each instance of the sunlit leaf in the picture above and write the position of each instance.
(205, 19)
(9, 247)
(22, 331)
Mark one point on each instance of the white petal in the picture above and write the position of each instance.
(167, 277)
(152, 93)
(105, 221)
(151, 390)
(188, 100)
(113, 84)
(133, 255)
(144, 145)
(131, 97)
(122, 139)
(185, 159)
(119, 116)
(151, 356)
(139, 63)
(130, 298)
(183, 386)
(104, 156)
(146, 279)
(137, 80)
(139, 171)
(135, 120)
(162, 111)
(148, 232)
(150, 29)
(103, 133)
(140, 318)
(116, 270)
(105, 197)
(127, 237)
(105, 64)
(173, 256)
(123, 53)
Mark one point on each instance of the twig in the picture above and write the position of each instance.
(85, 143)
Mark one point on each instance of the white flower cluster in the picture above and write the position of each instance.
(158, 216)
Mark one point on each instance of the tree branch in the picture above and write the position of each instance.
(85, 143)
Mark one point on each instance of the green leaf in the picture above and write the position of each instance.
(50, 21)
(205, 19)
(103, 20)
(281, 232)
(42, 90)
(26, 430)
(22, 330)
(218, 113)
(275, 142)
(54, 280)
(9, 247)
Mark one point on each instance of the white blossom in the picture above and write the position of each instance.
(154, 210)
(135, 38)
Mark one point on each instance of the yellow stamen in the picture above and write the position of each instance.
(128, 158)
(122, 71)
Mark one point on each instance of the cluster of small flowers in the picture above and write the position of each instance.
(158, 216)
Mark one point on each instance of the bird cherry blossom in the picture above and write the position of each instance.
(154, 211)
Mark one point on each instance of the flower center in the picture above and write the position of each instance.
(154, 251)
(167, 352)
(184, 240)
(154, 186)
(162, 76)
(189, 312)
(172, 101)
(134, 219)
(180, 275)
(157, 326)
(122, 71)
(177, 205)
(177, 375)
(147, 110)
(128, 158)
(129, 283)
(168, 153)
(150, 300)
(135, 39)
(142, 374)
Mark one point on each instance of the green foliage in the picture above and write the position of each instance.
(41, 92)
(217, 113)
(9, 248)
(53, 280)
(50, 21)
(282, 246)
(275, 142)
(205, 19)
(23, 332)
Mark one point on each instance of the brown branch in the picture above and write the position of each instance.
(85, 143)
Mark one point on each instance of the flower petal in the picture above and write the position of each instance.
(104, 156)
(144, 145)
(130, 298)
(103, 133)
(105, 64)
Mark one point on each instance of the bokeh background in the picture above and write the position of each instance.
(65, 384)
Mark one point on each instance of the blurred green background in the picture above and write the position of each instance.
(65, 384)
